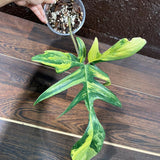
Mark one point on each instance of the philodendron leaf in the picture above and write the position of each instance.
(94, 53)
(91, 142)
(82, 50)
(122, 49)
(57, 59)
(91, 90)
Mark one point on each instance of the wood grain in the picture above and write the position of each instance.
(135, 125)
(20, 48)
(23, 142)
(135, 80)
(15, 26)
(137, 73)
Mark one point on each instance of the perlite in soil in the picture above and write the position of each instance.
(59, 13)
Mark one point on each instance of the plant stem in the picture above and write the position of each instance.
(72, 37)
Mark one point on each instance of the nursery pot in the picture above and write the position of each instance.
(58, 15)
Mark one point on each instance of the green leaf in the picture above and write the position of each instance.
(82, 50)
(123, 49)
(60, 60)
(92, 89)
(94, 53)
(67, 82)
(91, 142)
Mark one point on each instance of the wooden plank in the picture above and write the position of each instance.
(135, 125)
(137, 80)
(21, 47)
(14, 25)
(133, 70)
(137, 73)
(23, 142)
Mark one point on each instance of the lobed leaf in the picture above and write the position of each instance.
(92, 89)
(82, 50)
(92, 140)
(59, 60)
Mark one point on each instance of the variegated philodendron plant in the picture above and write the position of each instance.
(92, 140)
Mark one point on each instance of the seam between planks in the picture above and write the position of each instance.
(70, 73)
(78, 136)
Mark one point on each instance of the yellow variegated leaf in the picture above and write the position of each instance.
(61, 61)
(94, 53)
(123, 49)
(91, 142)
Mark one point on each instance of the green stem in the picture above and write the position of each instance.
(72, 37)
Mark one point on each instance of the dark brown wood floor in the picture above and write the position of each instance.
(31, 133)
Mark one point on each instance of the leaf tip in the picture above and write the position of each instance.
(119, 104)
(59, 116)
(35, 103)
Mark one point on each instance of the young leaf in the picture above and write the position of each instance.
(82, 50)
(60, 60)
(123, 49)
(94, 53)
(91, 142)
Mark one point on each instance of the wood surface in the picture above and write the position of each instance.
(135, 81)
(30, 39)
(33, 144)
